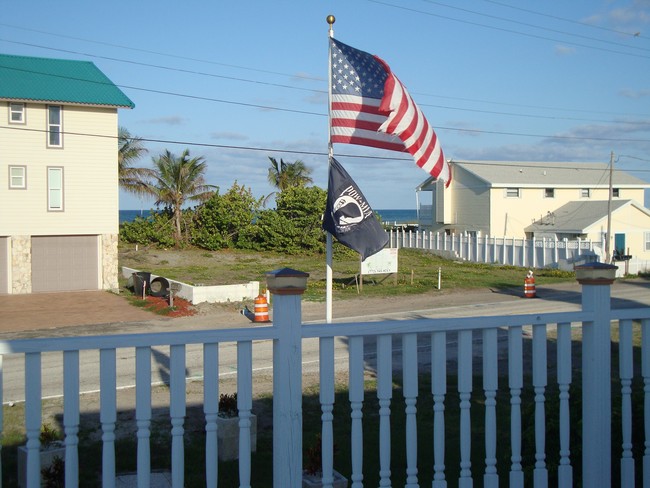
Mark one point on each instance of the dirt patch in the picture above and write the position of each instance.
(160, 305)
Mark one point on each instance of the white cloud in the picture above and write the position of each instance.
(628, 93)
(170, 120)
(564, 50)
(233, 136)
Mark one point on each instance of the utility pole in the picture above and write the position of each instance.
(608, 240)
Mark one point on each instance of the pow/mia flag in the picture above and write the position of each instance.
(348, 216)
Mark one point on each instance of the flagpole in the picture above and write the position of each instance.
(330, 150)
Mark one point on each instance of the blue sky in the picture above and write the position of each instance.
(497, 79)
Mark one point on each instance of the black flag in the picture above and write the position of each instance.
(348, 216)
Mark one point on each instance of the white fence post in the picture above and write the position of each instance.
(596, 280)
(287, 286)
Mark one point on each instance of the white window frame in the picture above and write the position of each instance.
(55, 189)
(17, 177)
(18, 110)
(512, 192)
(549, 192)
(585, 192)
(646, 240)
(54, 128)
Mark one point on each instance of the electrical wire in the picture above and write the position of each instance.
(510, 31)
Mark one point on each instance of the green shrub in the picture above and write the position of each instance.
(155, 229)
(221, 221)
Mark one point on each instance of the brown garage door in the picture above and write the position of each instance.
(4, 265)
(64, 263)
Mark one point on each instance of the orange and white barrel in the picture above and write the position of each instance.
(529, 288)
(261, 309)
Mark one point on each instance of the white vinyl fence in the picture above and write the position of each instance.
(527, 253)
(485, 354)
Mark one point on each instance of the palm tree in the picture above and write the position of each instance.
(131, 149)
(176, 180)
(287, 175)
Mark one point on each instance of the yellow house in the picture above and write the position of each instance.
(58, 175)
(539, 199)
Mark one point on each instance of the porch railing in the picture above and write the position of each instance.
(426, 347)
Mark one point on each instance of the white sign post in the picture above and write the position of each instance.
(383, 262)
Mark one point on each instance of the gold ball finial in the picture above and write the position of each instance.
(331, 19)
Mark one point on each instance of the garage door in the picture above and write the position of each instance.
(4, 265)
(64, 263)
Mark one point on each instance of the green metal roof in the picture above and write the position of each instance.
(57, 80)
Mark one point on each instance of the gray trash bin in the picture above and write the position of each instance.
(140, 279)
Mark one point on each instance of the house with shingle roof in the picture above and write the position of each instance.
(539, 199)
(58, 175)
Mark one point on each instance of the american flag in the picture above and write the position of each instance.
(371, 107)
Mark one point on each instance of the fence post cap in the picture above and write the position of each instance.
(286, 281)
(595, 273)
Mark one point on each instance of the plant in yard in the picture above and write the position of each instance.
(228, 428)
(228, 405)
(54, 474)
(313, 466)
(314, 457)
(49, 436)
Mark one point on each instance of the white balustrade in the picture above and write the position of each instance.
(407, 337)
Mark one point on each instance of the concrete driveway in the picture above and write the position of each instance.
(50, 310)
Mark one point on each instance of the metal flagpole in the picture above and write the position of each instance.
(328, 243)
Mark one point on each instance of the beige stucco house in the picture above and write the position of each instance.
(539, 199)
(58, 175)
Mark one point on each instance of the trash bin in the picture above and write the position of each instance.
(141, 279)
(159, 287)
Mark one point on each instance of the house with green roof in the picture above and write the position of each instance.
(522, 199)
(58, 175)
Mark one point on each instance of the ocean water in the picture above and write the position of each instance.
(400, 216)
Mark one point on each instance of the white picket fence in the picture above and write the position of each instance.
(405, 351)
(527, 253)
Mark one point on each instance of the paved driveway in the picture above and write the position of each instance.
(49, 310)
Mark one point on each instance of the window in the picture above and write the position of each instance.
(585, 193)
(55, 189)
(512, 192)
(616, 192)
(17, 177)
(549, 193)
(54, 124)
(16, 113)
(647, 240)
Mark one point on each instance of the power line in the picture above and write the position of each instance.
(510, 114)
(277, 150)
(167, 68)
(165, 54)
(525, 24)
(510, 31)
(555, 17)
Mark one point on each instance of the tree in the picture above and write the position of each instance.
(130, 149)
(287, 175)
(177, 180)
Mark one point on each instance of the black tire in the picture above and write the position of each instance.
(159, 287)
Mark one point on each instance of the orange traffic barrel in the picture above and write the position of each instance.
(261, 309)
(529, 287)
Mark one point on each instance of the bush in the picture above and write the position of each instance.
(294, 226)
(155, 229)
(222, 221)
